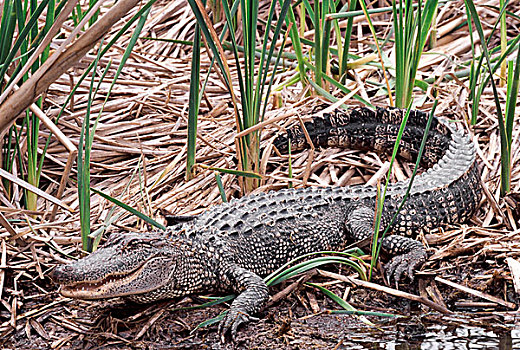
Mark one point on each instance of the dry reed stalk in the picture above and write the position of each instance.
(146, 119)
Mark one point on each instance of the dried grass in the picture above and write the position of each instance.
(139, 156)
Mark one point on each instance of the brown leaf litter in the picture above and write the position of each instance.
(139, 156)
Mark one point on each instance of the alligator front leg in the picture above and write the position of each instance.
(253, 294)
(409, 255)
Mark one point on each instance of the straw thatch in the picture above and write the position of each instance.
(139, 155)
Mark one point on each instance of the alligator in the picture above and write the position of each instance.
(231, 246)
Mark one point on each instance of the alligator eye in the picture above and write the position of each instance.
(137, 243)
(158, 243)
(113, 239)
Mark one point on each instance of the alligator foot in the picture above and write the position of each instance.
(232, 319)
(252, 296)
(406, 263)
(409, 256)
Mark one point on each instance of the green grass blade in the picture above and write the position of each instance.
(412, 178)
(210, 322)
(325, 36)
(381, 198)
(129, 209)
(214, 46)
(214, 302)
(109, 45)
(49, 20)
(364, 313)
(325, 93)
(503, 42)
(87, 141)
(83, 164)
(346, 43)
(220, 187)
(353, 253)
(350, 14)
(23, 36)
(126, 55)
(346, 90)
(196, 92)
(249, 29)
(241, 80)
(504, 142)
(318, 73)
(193, 104)
(262, 82)
(7, 26)
(513, 86)
(285, 272)
(310, 10)
(87, 71)
(94, 18)
(376, 41)
(512, 96)
(477, 72)
(242, 116)
(512, 45)
(128, 51)
(409, 44)
(341, 302)
(311, 264)
(290, 21)
(333, 296)
(111, 218)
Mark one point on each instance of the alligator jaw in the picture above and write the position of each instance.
(106, 287)
(114, 284)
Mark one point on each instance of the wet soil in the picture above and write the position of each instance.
(290, 324)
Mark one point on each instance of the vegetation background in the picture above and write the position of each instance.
(108, 108)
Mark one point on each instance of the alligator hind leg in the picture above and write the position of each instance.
(409, 255)
(359, 222)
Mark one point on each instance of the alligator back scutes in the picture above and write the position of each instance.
(449, 150)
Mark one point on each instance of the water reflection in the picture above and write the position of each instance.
(435, 337)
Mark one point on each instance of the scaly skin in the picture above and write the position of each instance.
(233, 245)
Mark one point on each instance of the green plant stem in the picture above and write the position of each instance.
(504, 140)
(503, 44)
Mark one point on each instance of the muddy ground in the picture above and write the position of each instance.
(294, 322)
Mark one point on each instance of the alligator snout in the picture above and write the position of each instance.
(62, 274)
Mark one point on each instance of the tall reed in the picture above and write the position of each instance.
(253, 84)
(411, 30)
(19, 36)
(87, 136)
(504, 116)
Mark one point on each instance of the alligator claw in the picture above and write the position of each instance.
(406, 263)
(231, 321)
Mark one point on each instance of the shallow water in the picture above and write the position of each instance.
(436, 337)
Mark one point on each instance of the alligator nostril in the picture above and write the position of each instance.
(60, 272)
(55, 274)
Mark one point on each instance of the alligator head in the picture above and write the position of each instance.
(127, 265)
